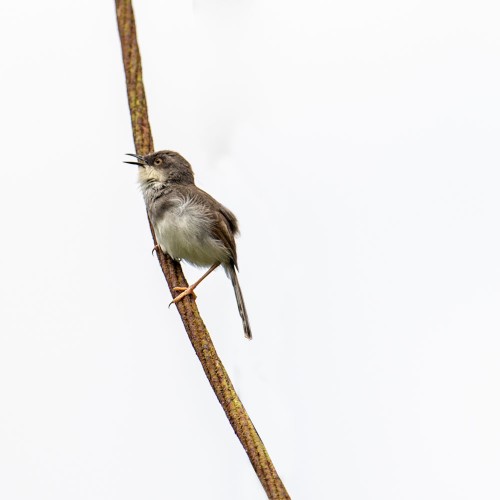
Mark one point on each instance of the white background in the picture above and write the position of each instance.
(358, 144)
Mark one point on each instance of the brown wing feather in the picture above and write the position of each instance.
(225, 224)
(231, 219)
(222, 231)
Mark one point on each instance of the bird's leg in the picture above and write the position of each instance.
(155, 249)
(190, 289)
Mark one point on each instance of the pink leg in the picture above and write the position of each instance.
(190, 289)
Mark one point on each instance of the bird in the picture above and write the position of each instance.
(189, 224)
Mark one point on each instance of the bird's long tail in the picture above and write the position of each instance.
(241, 303)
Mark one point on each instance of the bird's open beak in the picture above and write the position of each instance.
(139, 157)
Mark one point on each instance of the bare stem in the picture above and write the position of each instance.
(195, 328)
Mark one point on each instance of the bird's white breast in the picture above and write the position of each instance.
(184, 232)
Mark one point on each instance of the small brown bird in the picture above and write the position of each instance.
(189, 224)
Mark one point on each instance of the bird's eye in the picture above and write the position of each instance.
(157, 161)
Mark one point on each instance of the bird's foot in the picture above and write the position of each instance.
(155, 249)
(185, 291)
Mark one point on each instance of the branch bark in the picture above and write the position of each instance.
(193, 323)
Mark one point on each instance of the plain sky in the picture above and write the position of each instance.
(358, 144)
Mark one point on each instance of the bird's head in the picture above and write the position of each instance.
(164, 167)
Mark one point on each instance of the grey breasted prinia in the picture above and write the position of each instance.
(189, 224)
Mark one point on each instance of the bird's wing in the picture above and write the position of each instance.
(224, 224)
(222, 231)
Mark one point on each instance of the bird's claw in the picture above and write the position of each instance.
(185, 291)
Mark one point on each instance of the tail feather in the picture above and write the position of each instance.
(241, 303)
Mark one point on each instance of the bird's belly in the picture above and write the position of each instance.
(185, 234)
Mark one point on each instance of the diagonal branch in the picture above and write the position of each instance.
(195, 328)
